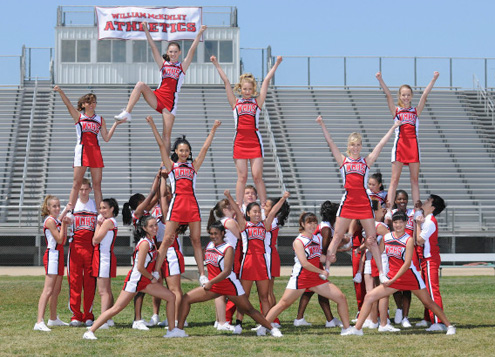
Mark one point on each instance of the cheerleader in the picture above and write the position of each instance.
(376, 190)
(140, 278)
(184, 207)
(403, 275)
(219, 257)
(355, 202)
(55, 234)
(87, 153)
(328, 212)
(306, 273)
(255, 264)
(248, 145)
(224, 213)
(406, 149)
(172, 72)
(104, 260)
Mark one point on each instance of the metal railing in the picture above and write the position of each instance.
(278, 167)
(484, 98)
(28, 148)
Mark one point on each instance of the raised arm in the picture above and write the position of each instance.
(157, 56)
(190, 54)
(72, 110)
(202, 153)
(371, 158)
(333, 148)
(161, 144)
(107, 134)
(274, 211)
(390, 100)
(241, 220)
(266, 82)
(228, 86)
(424, 96)
(145, 205)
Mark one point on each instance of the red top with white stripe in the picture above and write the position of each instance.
(246, 114)
(172, 78)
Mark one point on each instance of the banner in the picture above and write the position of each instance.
(165, 24)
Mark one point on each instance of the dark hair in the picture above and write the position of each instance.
(216, 212)
(112, 202)
(376, 205)
(328, 211)
(283, 212)
(251, 187)
(172, 43)
(87, 98)
(306, 217)
(399, 215)
(249, 207)
(180, 140)
(439, 204)
(397, 193)
(378, 177)
(133, 204)
(182, 229)
(217, 225)
(140, 232)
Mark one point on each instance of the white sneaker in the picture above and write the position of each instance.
(203, 280)
(351, 330)
(164, 323)
(383, 278)
(57, 322)
(140, 325)
(225, 327)
(437, 327)
(155, 319)
(110, 323)
(176, 332)
(358, 278)
(123, 115)
(450, 330)
(261, 331)
(237, 330)
(370, 324)
(75, 323)
(276, 324)
(275, 332)
(388, 328)
(256, 328)
(398, 316)
(405, 323)
(89, 323)
(301, 322)
(88, 335)
(334, 323)
(104, 327)
(215, 324)
(422, 323)
(40, 326)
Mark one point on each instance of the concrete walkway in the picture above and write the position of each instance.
(285, 271)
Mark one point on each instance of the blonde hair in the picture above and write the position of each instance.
(246, 77)
(399, 103)
(353, 137)
(44, 206)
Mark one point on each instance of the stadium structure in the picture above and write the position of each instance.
(456, 133)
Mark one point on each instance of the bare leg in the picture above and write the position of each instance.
(147, 92)
(394, 182)
(168, 123)
(198, 294)
(54, 297)
(368, 280)
(158, 290)
(195, 236)
(220, 305)
(138, 305)
(341, 227)
(414, 177)
(105, 291)
(376, 294)
(406, 302)
(96, 177)
(303, 303)
(173, 283)
(325, 306)
(263, 287)
(257, 172)
(245, 307)
(122, 301)
(289, 297)
(369, 228)
(242, 172)
(79, 172)
(246, 286)
(425, 298)
(332, 292)
(50, 282)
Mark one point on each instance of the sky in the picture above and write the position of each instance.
(315, 28)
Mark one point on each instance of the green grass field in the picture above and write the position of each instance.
(466, 299)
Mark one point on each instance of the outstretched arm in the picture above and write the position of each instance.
(274, 211)
(266, 82)
(390, 100)
(202, 153)
(161, 144)
(145, 205)
(371, 158)
(72, 110)
(239, 216)
(190, 54)
(422, 101)
(154, 50)
(107, 134)
(333, 148)
(228, 86)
